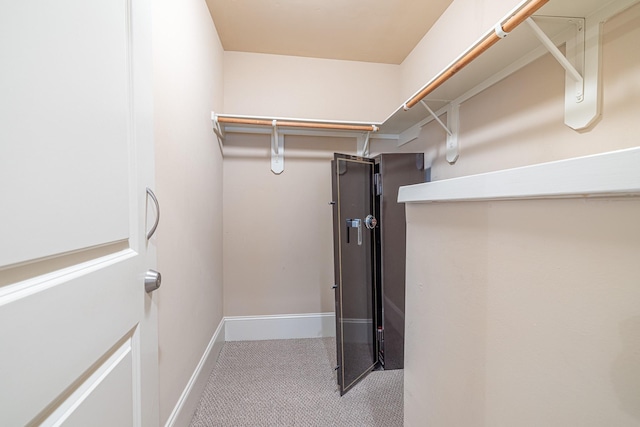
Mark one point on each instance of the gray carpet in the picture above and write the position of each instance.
(292, 383)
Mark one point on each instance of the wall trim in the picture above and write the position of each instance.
(287, 326)
(192, 393)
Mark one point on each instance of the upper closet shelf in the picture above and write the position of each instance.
(279, 127)
(532, 29)
(576, 24)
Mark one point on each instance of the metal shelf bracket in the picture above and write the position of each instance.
(363, 145)
(453, 125)
(436, 118)
(581, 64)
(277, 150)
(217, 129)
(572, 67)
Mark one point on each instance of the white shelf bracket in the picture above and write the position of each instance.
(453, 124)
(217, 129)
(436, 118)
(363, 145)
(277, 150)
(582, 68)
(569, 67)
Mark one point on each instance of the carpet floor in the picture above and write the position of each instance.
(292, 383)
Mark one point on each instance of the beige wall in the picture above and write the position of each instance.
(278, 229)
(187, 86)
(288, 86)
(278, 253)
(524, 313)
(278, 247)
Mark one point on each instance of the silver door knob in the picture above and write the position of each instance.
(152, 280)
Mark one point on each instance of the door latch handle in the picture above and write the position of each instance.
(155, 224)
(355, 223)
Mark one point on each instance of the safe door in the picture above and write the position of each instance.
(354, 265)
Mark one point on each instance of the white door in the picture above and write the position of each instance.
(78, 333)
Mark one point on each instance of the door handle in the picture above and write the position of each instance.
(152, 280)
(355, 223)
(155, 225)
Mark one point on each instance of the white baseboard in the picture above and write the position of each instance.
(254, 328)
(190, 397)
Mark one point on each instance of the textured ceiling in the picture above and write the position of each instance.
(383, 31)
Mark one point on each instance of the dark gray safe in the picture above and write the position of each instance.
(369, 240)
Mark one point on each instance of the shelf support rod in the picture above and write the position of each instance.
(436, 118)
(555, 52)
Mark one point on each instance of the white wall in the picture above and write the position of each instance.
(187, 87)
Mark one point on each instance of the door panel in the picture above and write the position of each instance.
(396, 169)
(354, 266)
(78, 331)
(65, 81)
(106, 395)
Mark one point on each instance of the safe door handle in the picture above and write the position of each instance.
(355, 223)
(155, 224)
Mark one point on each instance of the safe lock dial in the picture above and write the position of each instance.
(370, 222)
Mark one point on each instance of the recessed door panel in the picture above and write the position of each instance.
(66, 117)
(354, 267)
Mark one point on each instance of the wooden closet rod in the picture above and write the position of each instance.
(290, 124)
(511, 23)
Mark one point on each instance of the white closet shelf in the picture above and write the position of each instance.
(292, 126)
(556, 18)
(575, 23)
(611, 174)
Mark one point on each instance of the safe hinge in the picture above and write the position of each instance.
(377, 182)
(380, 334)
